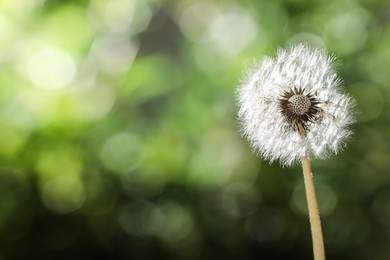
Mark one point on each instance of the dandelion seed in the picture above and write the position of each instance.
(298, 87)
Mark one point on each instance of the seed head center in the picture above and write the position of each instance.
(299, 104)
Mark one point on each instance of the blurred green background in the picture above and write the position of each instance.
(119, 139)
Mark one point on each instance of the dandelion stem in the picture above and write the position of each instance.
(314, 215)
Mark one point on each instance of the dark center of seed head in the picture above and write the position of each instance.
(299, 104)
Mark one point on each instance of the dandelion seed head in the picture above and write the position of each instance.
(298, 86)
(299, 104)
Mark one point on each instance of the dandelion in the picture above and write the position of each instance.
(298, 87)
(292, 108)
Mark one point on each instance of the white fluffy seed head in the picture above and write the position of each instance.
(265, 126)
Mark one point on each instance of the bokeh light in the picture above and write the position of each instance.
(121, 152)
(51, 69)
(63, 194)
(119, 138)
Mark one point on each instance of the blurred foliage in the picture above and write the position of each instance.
(119, 140)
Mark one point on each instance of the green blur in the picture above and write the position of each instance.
(119, 138)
